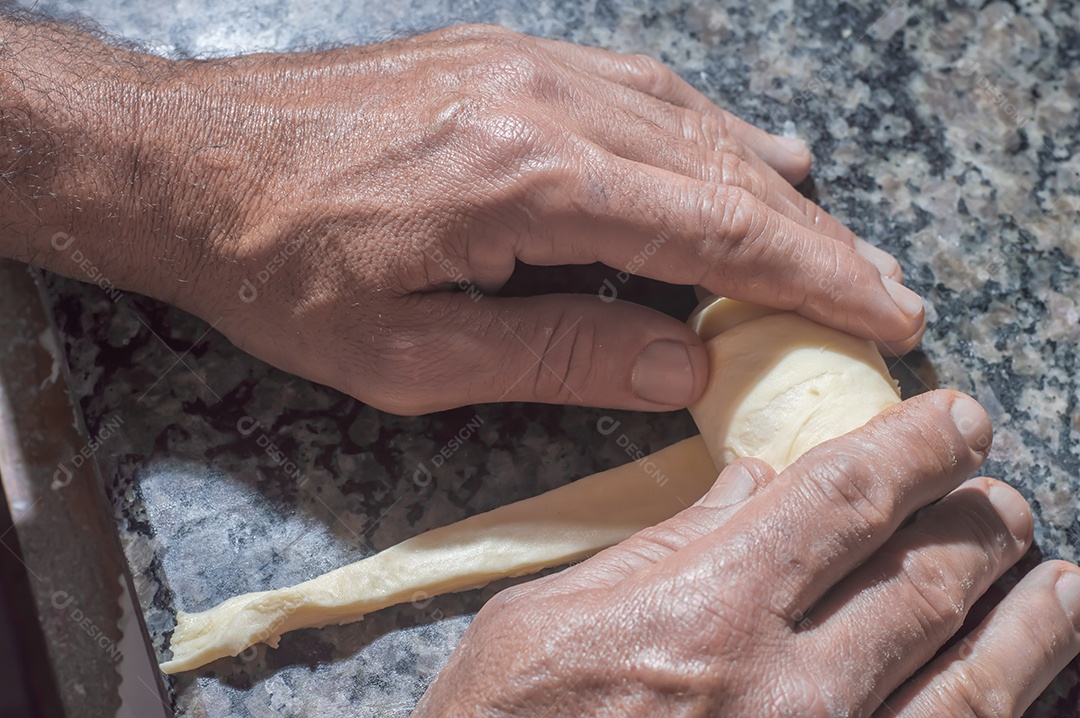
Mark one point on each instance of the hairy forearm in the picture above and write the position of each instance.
(68, 104)
(106, 174)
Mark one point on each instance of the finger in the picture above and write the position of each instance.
(839, 502)
(554, 349)
(735, 486)
(644, 129)
(746, 169)
(788, 156)
(895, 611)
(1002, 666)
(655, 223)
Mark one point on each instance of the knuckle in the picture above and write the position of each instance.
(737, 172)
(800, 694)
(936, 601)
(498, 138)
(511, 137)
(743, 215)
(715, 128)
(565, 365)
(1043, 643)
(685, 157)
(460, 114)
(518, 71)
(526, 71)
(656, 77)
(690, 125)
(913, 440)
(816, 216)
(847, 479)
(735, 215)
(922, 431)
(966, 690)
(826, 268)
(728, 145)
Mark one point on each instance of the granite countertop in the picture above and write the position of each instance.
(944, 133)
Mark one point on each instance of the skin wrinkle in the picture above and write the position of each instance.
(833, 474)
(938, 607)
(766, 239)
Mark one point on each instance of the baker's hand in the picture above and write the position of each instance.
(804, 594)
(345, 215)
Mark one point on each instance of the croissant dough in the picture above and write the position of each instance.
(779, 385)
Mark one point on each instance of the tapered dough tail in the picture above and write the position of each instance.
(554, 528)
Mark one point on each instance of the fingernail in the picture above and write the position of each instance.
(735, 485)
(663, 374)
(1067, 588)
(885, 262)
(972, 421)
(794, 145)
(906, 300)
(1013, 510)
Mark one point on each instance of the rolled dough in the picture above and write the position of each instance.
(779, 385)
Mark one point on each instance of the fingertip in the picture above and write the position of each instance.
(737, 482)
(1013, 509)
(671, 373)
(1067, 590)
(895, 349)
(699, 361)
(900, 320)
(907, 301)
(972, 421)
(760, 469)
(794, 160)
(1058, 567)
(885, 263)
(789, 156)
(796, 147)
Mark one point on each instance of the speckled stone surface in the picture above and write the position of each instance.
(946, 133)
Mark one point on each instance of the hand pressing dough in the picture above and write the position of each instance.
(780, 384)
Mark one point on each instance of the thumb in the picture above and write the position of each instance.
(560, 349)
(736, 484)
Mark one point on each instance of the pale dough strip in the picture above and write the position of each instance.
(554, 528)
